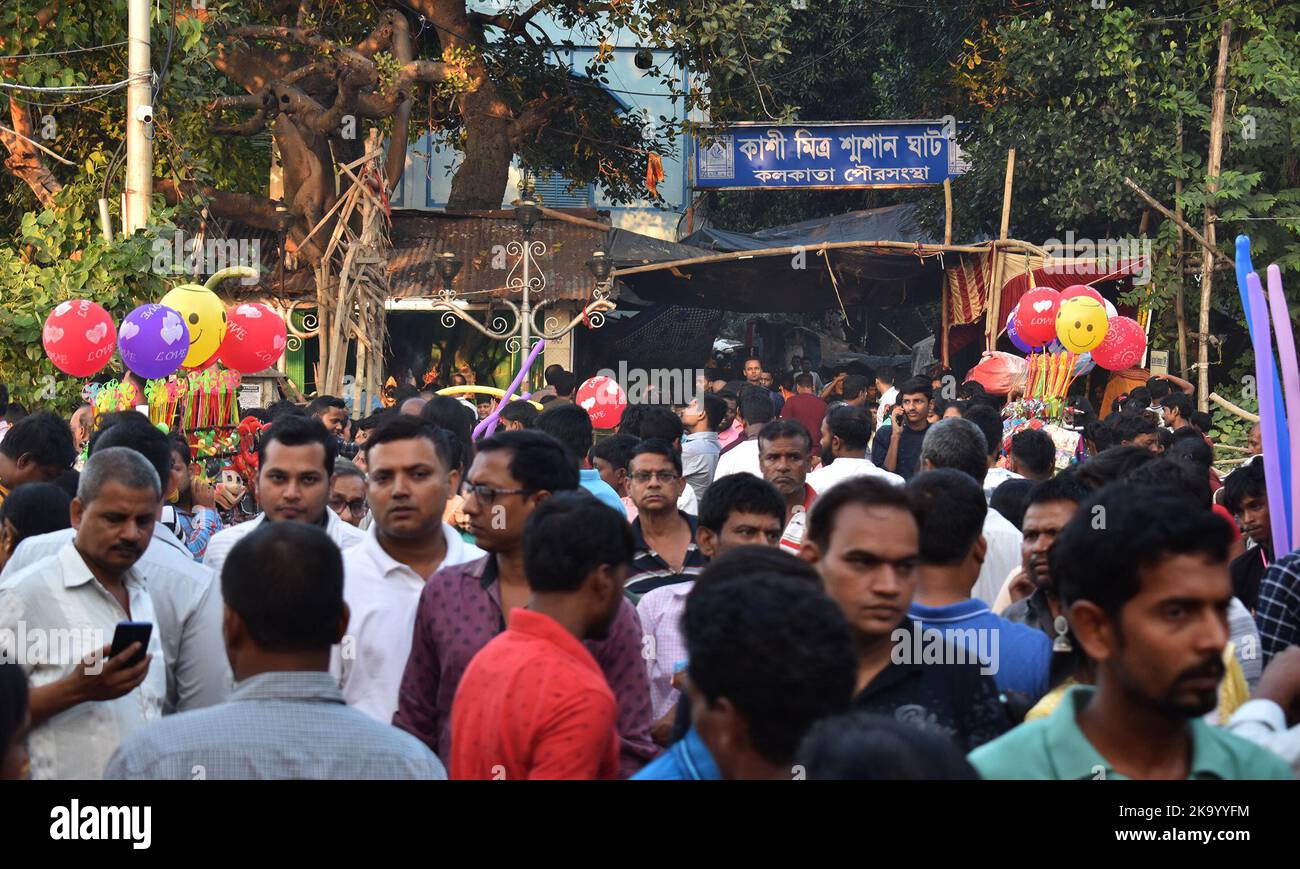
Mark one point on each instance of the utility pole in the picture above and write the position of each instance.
(139, 119)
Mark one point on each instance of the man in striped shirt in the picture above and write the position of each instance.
(666, 551)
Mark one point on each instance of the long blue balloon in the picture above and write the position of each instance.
(1264, 344)
(1271, 435)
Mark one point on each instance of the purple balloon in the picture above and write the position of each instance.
(1014, 335)
(153, 341)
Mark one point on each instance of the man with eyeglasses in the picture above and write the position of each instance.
(665, 536)
(463, 607)
(412, 473)
(348, 492)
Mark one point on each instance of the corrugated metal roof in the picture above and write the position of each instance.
(478, 238)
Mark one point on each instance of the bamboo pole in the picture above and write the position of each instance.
(1224, 260)
(993, 313)
(900, 246)
(947, 211)
(1180, 315)
(1232, 408)
(1212, 185)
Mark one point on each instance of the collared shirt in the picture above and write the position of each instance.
(1001, 557)
(343, 535)
(1264, 723)
(650, 570)
(1021, 656)
(58, 602)
(1244, 637)
(187, 604)
(533, 704)
(792, 536)
(1278, 612)
(952, 698)
(687, 759)
(729, 435)
(661, 616)
(700, 451)
(192, 528)
(278, 725)
(589, 479)
(909, 449)
(458, 613)
(740, 459)
(889, 397)
(995, 477)
(845, 467)
(382, 594)
(1056, 748)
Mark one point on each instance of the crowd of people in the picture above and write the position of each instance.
(836, 574)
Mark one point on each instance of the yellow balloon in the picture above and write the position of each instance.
(1081, 324)
(205, 317)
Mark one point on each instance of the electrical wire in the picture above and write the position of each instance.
(62, 52)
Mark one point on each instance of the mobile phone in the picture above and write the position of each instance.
(127, 633)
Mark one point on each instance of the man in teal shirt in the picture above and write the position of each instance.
(1144, 578)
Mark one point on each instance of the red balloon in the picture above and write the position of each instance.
(1081, 290)
(79, 337)
(1036, 317)
(1123, 346)
(255, 338)
(604, 401)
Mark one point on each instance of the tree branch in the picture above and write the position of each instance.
(256, 211)
(536, 115)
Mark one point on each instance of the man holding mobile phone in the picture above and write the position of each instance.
(83, 702)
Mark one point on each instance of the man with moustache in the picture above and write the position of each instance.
(1049, 506)
(1147, 593)
(84, 703)
(463, 607)
(784, 455)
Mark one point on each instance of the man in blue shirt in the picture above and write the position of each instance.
(571, 426)
(950, 508)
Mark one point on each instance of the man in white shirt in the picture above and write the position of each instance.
(958, 443)
(58, 617)
(846, 430)
(411, 477)
(755, 411)
(1262, 719)
(990, 425)
(295, 460)
(888, 394)
(185, 594)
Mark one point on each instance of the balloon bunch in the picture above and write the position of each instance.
(1279, 400)
(190, 328)
(1077, 320)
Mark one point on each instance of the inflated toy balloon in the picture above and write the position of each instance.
(1014, 335)
(153, 341)
(1073, 292)
(1123, 346)
(604, 401)
(204, 314)
(1036, 320)
(255, 338)
(1081, 324)
(79, 337)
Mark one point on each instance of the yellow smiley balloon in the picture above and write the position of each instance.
(205, 317)
(1081, 324)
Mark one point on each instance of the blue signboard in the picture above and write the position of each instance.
(857, 154)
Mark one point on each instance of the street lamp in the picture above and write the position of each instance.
(519, 335)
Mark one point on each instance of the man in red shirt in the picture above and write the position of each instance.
(533, 703)
(806, 407)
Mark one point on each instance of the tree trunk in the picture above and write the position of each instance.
(480, 181)
(24, 160)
